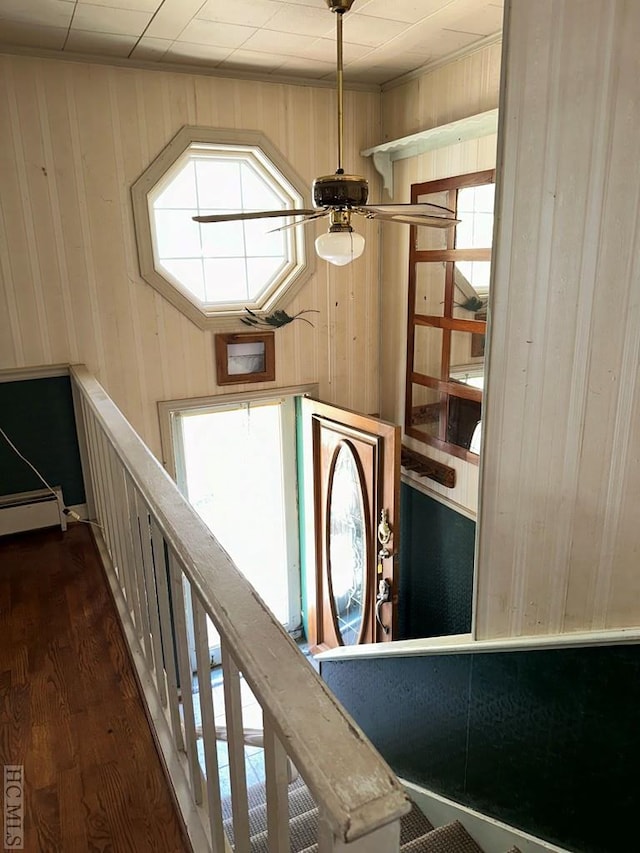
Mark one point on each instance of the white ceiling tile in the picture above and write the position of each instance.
(172, 17)
(296, 65)
(26, 35)
(103, 44)
(409, 11)
(284, 44)
(483, 22)
(304, 21)
(197, 54)
(151, 48)
(361, 29)
(325, 51)
(393, 62)
(313, 3)
(251, 13)
(104, 19)
(42, 13)
(370, 75)
(382, 38)
(134, 5)
(245, 60)
(212, 33)
(449, 41)
(402, 63)
(452, 12)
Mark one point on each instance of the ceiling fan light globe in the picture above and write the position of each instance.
(340, 247)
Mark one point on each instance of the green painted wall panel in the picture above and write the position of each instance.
(38, 417)
(436, 567)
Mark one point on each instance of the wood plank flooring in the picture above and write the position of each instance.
(70, 710)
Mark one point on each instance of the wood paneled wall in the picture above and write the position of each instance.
(458, 89)
(462, 88)
(559, 532)
(73, 138)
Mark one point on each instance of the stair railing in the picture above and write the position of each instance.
(166, 571)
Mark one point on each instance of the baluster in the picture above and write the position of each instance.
(123, 538)
(98, 494)
(138, 566)
(184, 669)
(235, 744)
(207, 713)
(112, 540)
(277, 777)
(168, 640)
(152, 595)
(101, 472)
(81, 429)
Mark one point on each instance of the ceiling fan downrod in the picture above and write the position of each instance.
(340, 190)
(339, 7)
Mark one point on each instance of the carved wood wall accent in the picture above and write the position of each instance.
(426, 467)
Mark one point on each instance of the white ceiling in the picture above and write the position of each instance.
(383, 39)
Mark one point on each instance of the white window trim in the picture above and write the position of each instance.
(228, 319)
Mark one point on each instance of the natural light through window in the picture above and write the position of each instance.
(239, 473)
(226, 262)
(213, 271)
(475, 230)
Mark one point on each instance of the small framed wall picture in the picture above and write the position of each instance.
(245, 358)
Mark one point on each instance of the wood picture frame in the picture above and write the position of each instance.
(242, 358)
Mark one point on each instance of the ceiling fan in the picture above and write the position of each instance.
(339, 196)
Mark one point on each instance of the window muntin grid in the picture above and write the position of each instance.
(230, 264)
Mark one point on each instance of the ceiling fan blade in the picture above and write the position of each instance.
(425, 219)
(434, 209)
(258, 214)
(310, 218)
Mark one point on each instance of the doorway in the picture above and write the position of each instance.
(236, 464)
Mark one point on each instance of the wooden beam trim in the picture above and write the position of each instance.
(476, 327)
(454, 389)
(443, 255)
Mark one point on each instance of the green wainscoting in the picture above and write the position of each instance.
(547, 741)
(38, 417)
(436, 567)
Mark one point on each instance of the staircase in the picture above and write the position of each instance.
(417, 834)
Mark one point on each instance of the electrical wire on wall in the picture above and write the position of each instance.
(70, 513)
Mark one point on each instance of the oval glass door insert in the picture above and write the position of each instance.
(347, 546)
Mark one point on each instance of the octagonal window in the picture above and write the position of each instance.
(216, 270)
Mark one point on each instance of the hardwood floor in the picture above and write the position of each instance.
(70, 710)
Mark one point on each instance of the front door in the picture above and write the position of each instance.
(352, 587)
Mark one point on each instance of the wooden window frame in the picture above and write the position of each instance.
(448, 323)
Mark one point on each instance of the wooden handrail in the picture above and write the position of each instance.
(352, 785)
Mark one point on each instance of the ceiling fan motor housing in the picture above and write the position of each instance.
(340, 191)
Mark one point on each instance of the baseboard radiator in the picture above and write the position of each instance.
(31, 511)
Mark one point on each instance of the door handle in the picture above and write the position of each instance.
(383, 597)
(384, 535)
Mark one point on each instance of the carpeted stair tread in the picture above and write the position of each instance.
(300, 801)
(256, 796)
(413, 825)
(451, 838)
(417, 834)
(303, 833)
